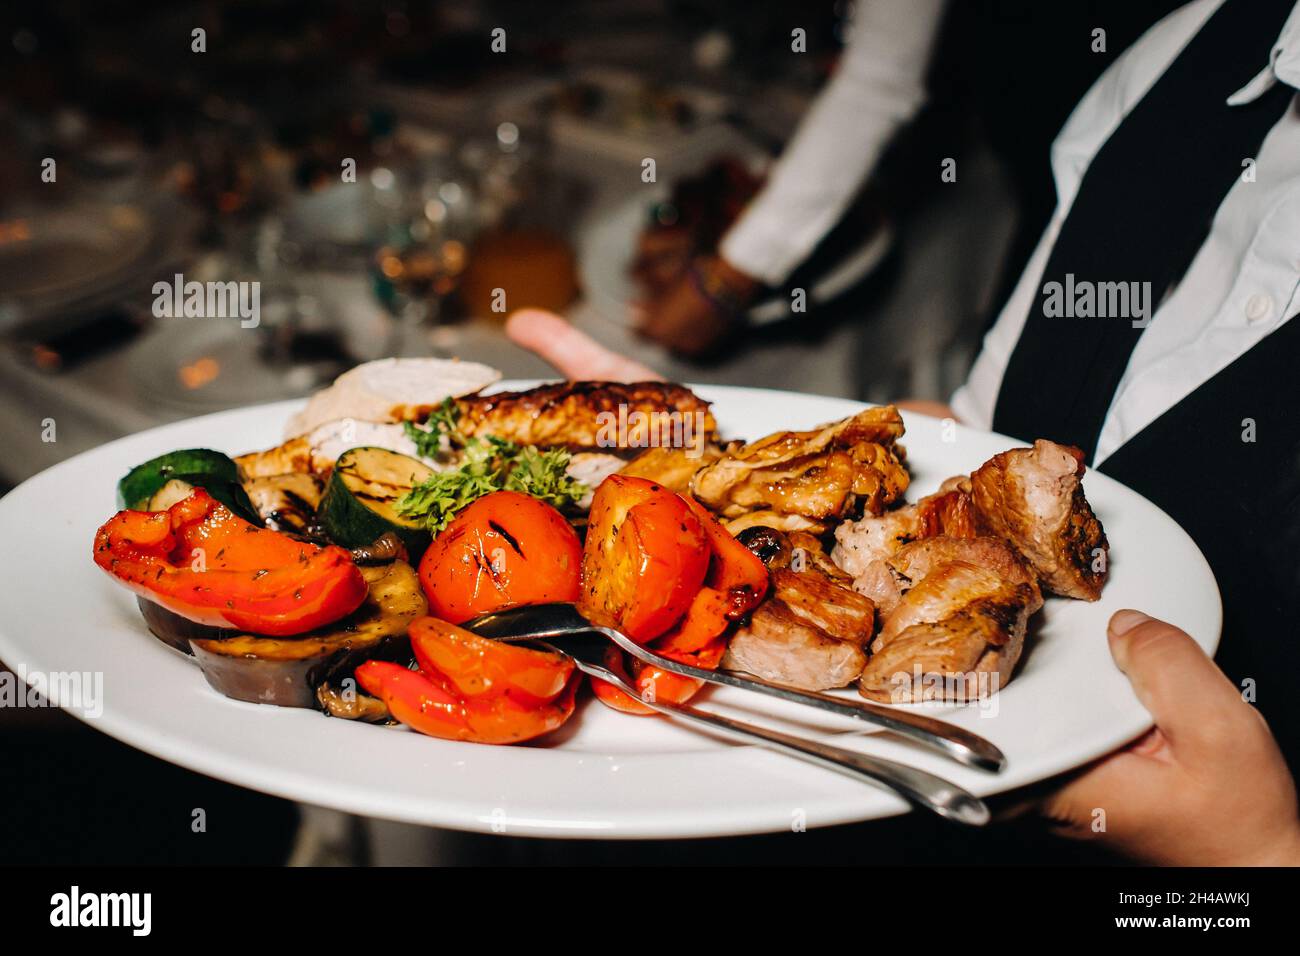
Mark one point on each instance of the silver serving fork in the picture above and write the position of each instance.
(562, 623)
(923, 789)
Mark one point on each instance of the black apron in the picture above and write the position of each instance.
(1144, 208)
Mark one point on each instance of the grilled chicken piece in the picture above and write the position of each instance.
(819, 475)
(587, 415)
(767, 518)
(1033, 497)
(294, 456)
(391, 390)
(671, 467)
(959, 620)
(779, 646)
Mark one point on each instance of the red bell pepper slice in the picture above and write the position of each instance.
(734, 570)
(203, 562)
(474, 689)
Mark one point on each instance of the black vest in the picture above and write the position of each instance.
(1238, 499)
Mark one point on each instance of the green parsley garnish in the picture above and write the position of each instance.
(488, 464)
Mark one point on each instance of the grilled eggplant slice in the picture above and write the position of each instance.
(287, 671)
(286, 502)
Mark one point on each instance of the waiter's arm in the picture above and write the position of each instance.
(879, 85)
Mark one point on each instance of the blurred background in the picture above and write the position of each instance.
(379, 168)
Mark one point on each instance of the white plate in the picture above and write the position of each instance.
(604, 774)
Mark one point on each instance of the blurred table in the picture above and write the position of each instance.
(108, 396)
(915, 338)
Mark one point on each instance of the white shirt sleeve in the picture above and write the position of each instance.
(878, 86)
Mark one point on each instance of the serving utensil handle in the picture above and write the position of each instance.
(921, 788)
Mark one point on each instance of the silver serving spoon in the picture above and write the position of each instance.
(924, 789)
(561, 623)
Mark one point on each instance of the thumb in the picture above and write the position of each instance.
(1191, 700)
(574, 354)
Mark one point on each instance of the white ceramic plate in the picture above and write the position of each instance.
(604, 774)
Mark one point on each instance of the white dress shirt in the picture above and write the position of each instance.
(1243, 283)
(879, 84)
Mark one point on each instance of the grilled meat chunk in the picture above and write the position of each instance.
(293, 456)
(814, 597)
(947, 589)
(779, 646)
(818, 475)
(886, 580)
(961, 620)
(579, 415)
(947, 660)
(811, 630)
(859, 544)
(671, 467)
(767, 518)
(1033, 497)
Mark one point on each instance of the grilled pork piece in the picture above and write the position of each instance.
(779, 646)
(811, 631)
(817, 475)
(946, 590)
(840, 612)
(589, 415)
(859, 544)
(947, 660)
(886, 580)
(1033, 497)
(961, 620)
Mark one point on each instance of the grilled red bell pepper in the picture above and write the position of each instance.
(648, 570)
(645, 556)
(734, 570)
(475, 689)
(208, 565)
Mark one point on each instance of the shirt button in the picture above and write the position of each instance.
(1259, 307)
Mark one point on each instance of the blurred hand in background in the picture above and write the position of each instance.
(575, 355)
